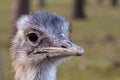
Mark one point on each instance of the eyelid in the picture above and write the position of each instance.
(34, 31)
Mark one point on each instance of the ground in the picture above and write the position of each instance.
(98, 34)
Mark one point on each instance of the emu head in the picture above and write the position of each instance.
(42, 36)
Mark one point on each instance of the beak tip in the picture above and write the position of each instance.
(81, 51)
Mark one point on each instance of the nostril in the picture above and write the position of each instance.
(63, 46)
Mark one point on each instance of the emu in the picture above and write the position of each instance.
(40, 43)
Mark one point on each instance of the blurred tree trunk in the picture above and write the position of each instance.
(79, 6)
(21, 7)
(114, 3)
(42, 3)
(100, 2)
(1, 64)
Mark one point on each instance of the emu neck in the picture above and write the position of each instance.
(44, 71)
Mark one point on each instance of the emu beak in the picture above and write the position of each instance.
(69, 50)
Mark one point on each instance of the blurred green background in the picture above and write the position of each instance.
(98, 34)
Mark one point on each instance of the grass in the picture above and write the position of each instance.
(98, 35)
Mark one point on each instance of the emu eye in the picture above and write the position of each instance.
(33, 37)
